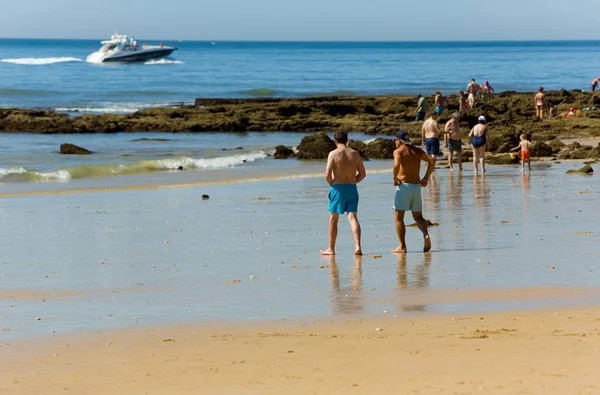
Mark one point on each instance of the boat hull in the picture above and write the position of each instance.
(140, 55)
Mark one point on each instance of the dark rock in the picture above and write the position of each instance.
(147, 139)
(317, 146)
(205, 197)
(239, 148)
(539, 148)
(380, 148)
(587, 169)
(180, 168)
(283, 152)
(556, 145)
(502, 159)
(502, 143)
(71, 149)
(574, 145)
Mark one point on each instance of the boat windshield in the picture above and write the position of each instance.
(108, 47)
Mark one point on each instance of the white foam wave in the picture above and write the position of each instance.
(40, 61)
(209, 163)
(111, 110)
(367, 141)
(59, 175)
(12, 170)
(163, 61)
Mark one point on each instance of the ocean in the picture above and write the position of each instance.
(54, 73)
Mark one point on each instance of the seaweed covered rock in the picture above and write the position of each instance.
(502, 159)
(283, 152)
(72, 149)
(587, 169)
(359, 146)
(502, 143)
(539, 148)
(317, 146)
(556, 145)
(381, 148)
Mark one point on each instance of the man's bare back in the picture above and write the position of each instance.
(409, 160)
(345, 165)
(539, 98)
(430, 129)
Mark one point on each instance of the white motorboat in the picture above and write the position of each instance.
(123, 48)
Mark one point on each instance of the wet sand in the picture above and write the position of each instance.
(551, 352)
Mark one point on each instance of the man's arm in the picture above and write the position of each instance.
(396, 168)
(430, 166)
(329, 169)
(423, 133)
(362, 173)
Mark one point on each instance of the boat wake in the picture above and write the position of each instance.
(163, 61)
(40, 61)
(107, 170)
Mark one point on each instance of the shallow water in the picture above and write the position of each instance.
(145, 257)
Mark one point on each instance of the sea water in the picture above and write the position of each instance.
(54, 73)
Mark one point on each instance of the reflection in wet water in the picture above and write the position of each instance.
(345, 296)
(413, 278)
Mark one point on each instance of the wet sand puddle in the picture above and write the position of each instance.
(151, 256)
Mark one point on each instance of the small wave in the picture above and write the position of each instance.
(91, 171)
(112, 110)
(40, 61)
(368, 141)
(259, 92)
(12, 170)
(163, 61)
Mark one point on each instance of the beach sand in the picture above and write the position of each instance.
(531, 352)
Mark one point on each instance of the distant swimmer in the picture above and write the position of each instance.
(430, 134)
(407, 179)
(421, 108)
(540, 102)
(524, 146)
(344, 170)
(479, 139)
(595, 84)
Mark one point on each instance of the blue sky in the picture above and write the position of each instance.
(394, 20)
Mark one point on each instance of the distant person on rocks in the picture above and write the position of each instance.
(441, 103)
(408, 182)
(478, 137)
(430, 133)
(463, 103)
(344, 170)
(524, 146)
(571, 113)
(486, 91)
(421, 108)
(595, 84)
(540, 102)
(452, 130)
(553, 112)
(472, 89)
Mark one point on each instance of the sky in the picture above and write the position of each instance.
(304, 20)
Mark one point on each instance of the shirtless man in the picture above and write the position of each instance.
(472, 89)
(595, 84)
(539, 103)
(440, 103)
(430, 135)
(344, 170)
(408, 182)
(452, 130)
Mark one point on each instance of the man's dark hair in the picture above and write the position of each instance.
(341, 137)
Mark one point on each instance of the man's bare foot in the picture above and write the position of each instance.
(358, 252)
(427, 244)
(399, 250)
(328, 251)
(452, 169)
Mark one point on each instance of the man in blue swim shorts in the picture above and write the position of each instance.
(406, 177)
(344, 170)
(430, 135)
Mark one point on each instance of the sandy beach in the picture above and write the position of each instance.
(530, 352)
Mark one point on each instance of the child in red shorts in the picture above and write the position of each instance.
(524, 146)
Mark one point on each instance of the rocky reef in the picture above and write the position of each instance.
(509, 114)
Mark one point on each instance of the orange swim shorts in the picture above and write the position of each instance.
(525, 155)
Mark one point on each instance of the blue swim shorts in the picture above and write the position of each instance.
(439, 109)
(408, 198)
(343, 198)
(432, 146)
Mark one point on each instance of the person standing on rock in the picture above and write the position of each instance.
(421, 108)
(486, 91)
(595, 84)
(407, 179)
(453, 131)
(344, 170)
(472, 89)
(440, 103)
(478, 137)
(430, 135)
(540, 103)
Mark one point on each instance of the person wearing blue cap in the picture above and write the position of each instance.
(407, 179)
